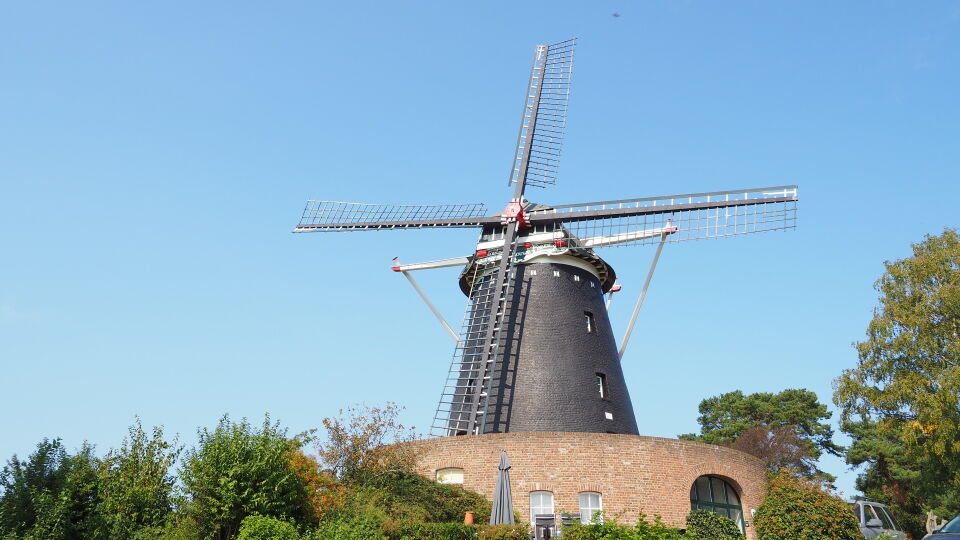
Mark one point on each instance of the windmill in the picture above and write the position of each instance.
(535, 351)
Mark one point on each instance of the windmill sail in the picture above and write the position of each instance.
(682, 217)
(537, 159)
(335, 216)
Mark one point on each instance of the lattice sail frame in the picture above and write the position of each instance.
(694, 216)
(537, 159)
(338, 216)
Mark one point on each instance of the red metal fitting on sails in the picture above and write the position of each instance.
(560, 243)
(481, 253)
(514, 212)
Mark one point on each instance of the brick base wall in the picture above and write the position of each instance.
(632, 472)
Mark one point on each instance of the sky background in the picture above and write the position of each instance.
(154, 158)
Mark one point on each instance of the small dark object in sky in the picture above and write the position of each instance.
(615, 14)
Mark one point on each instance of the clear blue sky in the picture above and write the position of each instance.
(154, 158)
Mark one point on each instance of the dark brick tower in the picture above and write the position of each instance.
(559, 369)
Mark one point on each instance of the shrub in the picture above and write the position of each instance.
(503, 532)
(801, 510)
(266, 528)
(607, 528)
(408, 497)
(362, 528)
(705, 524)
(412, 530)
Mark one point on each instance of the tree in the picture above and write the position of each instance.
(888, 476)
(136, 483)
(787, 429)
(780, 448)
(365, 443)
(370, 453)
(901, 403)
(237, 471)
(52, 495)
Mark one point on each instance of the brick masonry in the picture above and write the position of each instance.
(631, 472)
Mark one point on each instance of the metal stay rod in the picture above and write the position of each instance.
(643, 294)
(428, 302)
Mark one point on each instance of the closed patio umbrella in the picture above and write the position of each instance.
(502, 511)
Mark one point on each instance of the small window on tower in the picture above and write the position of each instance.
(591, 323)
(602, 385)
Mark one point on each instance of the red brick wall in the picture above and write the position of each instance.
(631, 472)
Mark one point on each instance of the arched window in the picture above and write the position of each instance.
(716, 495)
(590, 503)
(450, 475)
(541, 502)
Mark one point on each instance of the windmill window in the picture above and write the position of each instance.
(533, 272)
(590, 504)
(541, 502)
(576, 278)
(450, 475)
(556, 273)
(591, 322)
(608, 415)
(718, 496)
(602, 385)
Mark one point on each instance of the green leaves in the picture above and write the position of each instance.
(801, 510)
(787, 429)
(136, 482)
(238, 470)
(901, 403)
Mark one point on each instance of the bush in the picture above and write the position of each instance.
(705, 524)
(801, 510)
(362, 528)
(503, 532)
(431, 531)
(409, 497)
(266, 528)
(608, 529)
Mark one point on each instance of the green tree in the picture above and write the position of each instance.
(136, 482)
(787, 430)
(888, 474)
(901, 403)
(52, 495)
(237, 471)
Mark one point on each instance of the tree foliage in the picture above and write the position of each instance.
(365, 443)
(52, 495)
(901, 403)
(788, 430)
(267, 528)
(238, 470)
(241, 481)
(137, 481)
(801, 510)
